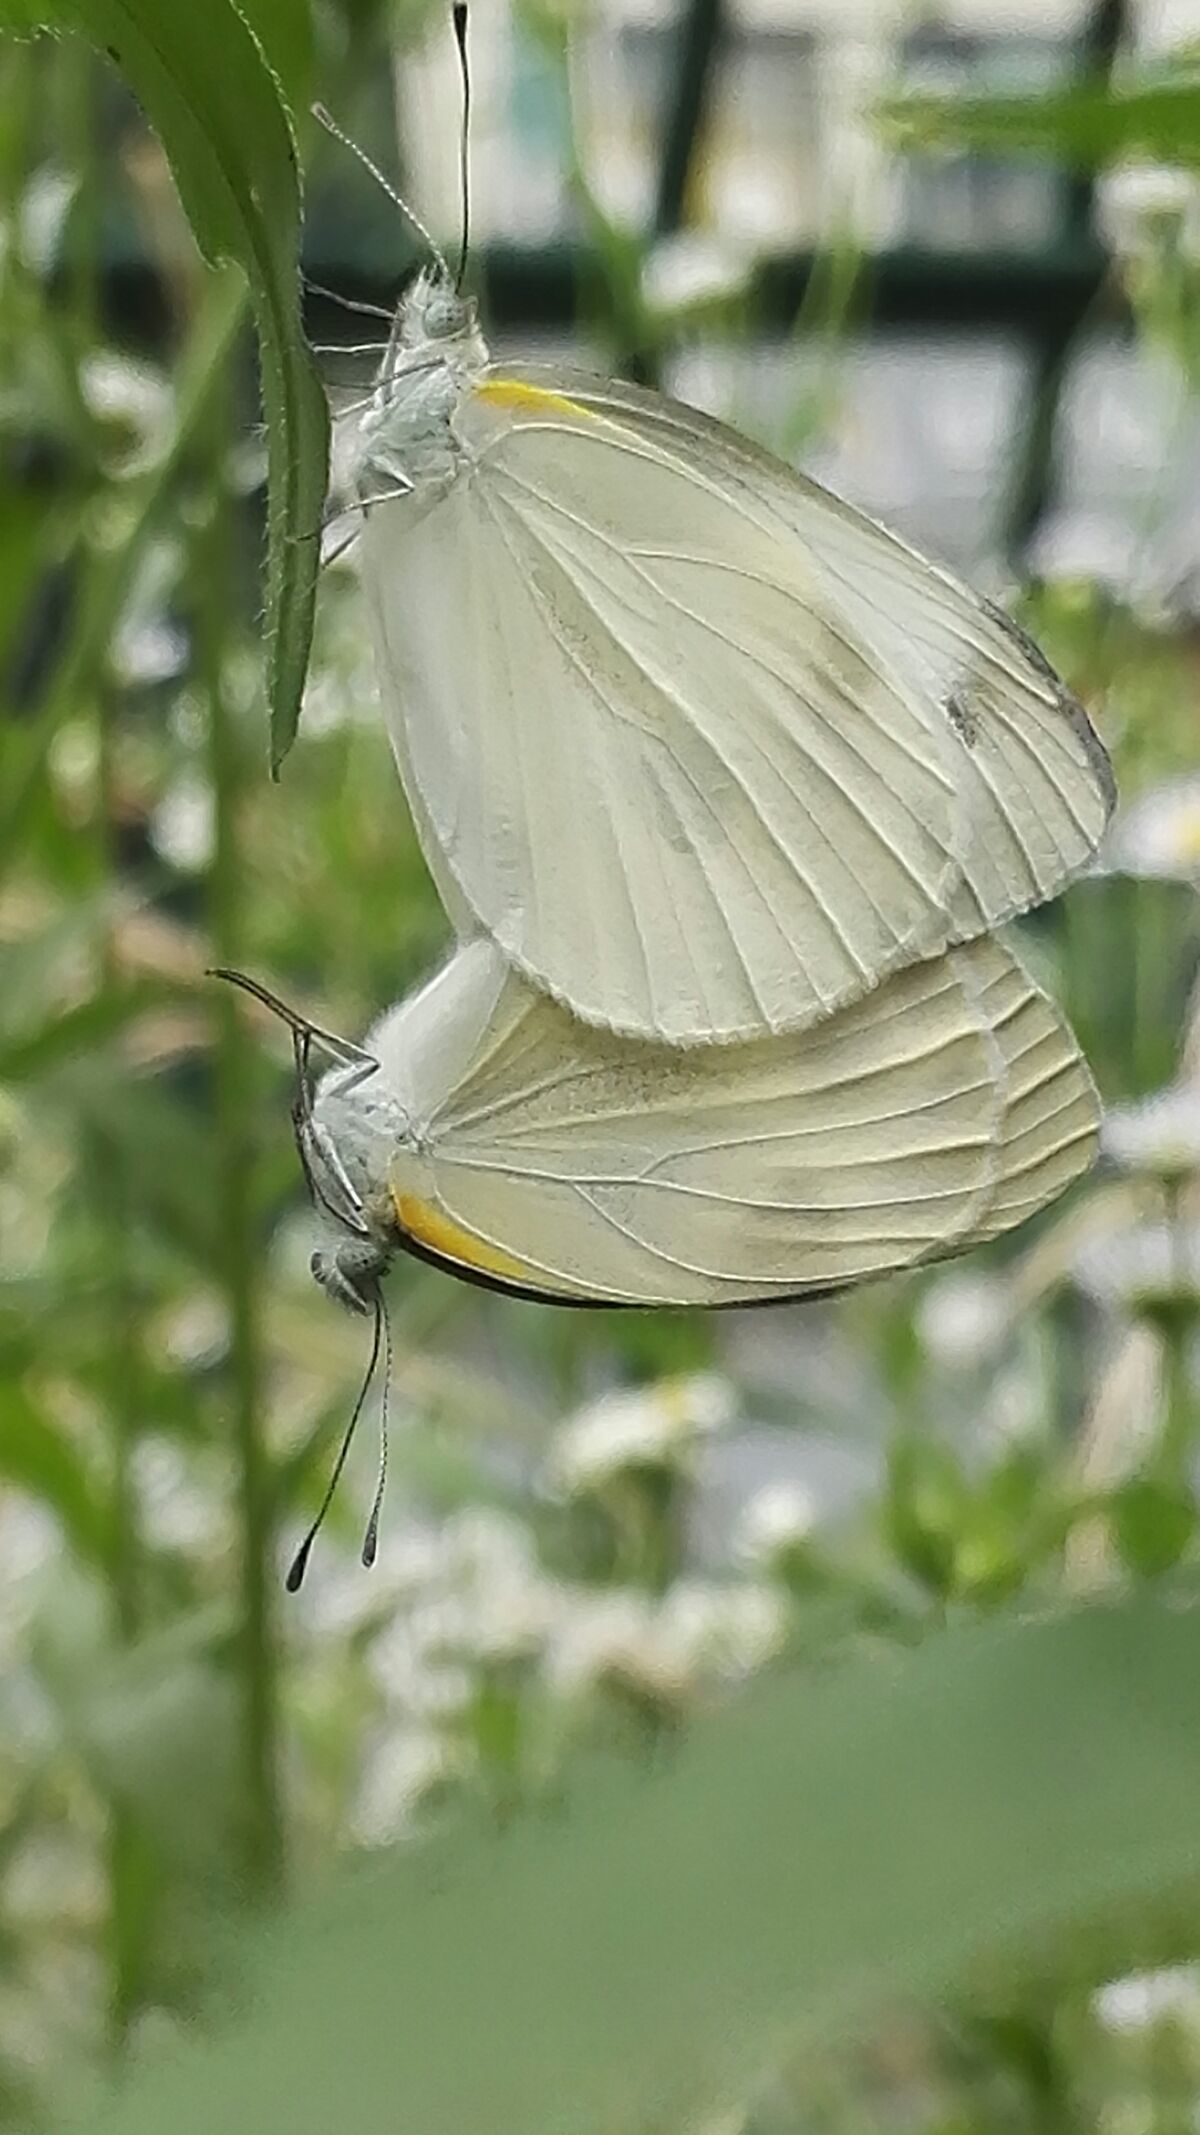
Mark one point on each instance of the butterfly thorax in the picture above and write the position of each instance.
(375, 1152)
(405, 440)
(358, 1122)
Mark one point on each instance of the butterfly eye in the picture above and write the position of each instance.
(350, 1273)
(445, 315)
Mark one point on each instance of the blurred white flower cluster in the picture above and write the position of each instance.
(1158, 835)
(1160, 1136)
(692, 270)
(1142, 2000)
(654, 1426)
(485, 1656)
(1141, 207)
(1136, 1267)
(665, 1649)
(775, 1524)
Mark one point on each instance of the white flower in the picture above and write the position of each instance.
(146, 650)
(609, 1633)
(643, 1427)
(1141, 1265)
(175, 1512)
(962, 1317)
(1160, 1134)
(1014, 1408)
(691, 269)
(74, 756)
(475, 1590)
(1141, 205)
(54, 1876)
(195, 1334)
(776, 1519)
(1143, 1999)
(414, 1673)
(148, 646)
(1083, 546)
(43, 217)
(118, 390)
(183, 826)
(722, 1633)
(30, 1543)
(1159, 834)
(399, 1776)
(665, 1648)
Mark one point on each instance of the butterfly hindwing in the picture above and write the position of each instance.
(570, 1162)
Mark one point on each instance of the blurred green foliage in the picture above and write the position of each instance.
(999, 1822)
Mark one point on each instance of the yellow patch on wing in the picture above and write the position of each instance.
(429, 1227)
(534, 399)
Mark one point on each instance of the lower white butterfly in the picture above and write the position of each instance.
(483, 1128)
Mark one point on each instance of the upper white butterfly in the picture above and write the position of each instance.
(706, 751)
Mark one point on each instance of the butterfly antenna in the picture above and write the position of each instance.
(464, 68)
(371, 1537)
(325, 119)
(299, 1563)
(342, 1049)
(334, 296)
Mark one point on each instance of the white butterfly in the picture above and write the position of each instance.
(484, 1128)
(707, 752)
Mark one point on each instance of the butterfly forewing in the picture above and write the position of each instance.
(706, 752)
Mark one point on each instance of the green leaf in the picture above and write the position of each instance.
(29, 1053)
(158, 1727)
(1153, 1521)
(925, 1509)
(284, 29)
(165, 1153)
(825, 1845)
(37, 1458)
(211, 95)
(1085, 126)
(80, 658)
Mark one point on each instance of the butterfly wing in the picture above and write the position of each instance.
(568, 1162)
(1051, 1109)
(705, 750)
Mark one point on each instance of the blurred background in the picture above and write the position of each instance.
(596, 1524)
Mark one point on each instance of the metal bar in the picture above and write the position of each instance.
(1035, 481)
(697, 37)
(909, 288)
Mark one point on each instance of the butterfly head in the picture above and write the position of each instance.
(345, 1127)
(432, 310)
(434, 347)
(345, 1139)
(436, 331)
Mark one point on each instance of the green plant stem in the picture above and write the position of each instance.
(1177, 1325)
(76, 85)
(131, 1877)
(110, 571)
(125, 1373)
(262, 1825)
(1177, 1443)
